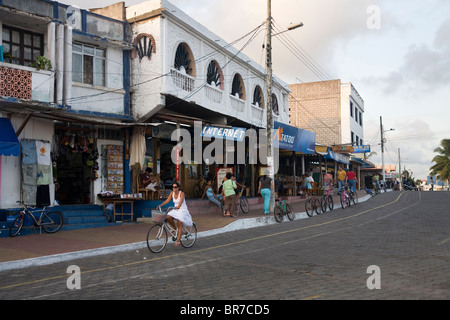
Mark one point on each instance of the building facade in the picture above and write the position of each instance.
(332, 109)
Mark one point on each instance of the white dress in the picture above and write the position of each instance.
(181, 214)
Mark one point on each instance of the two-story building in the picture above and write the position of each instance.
(64, 89)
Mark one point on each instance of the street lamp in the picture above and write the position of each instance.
(270, 158)
(383, 141)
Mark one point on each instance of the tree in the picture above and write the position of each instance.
(441, 168)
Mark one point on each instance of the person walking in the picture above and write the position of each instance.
(230, 195)
(266, 188)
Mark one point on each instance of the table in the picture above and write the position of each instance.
(121, 201)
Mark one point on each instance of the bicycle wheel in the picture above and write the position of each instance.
(330, 203)
(278, 214)
(324, 203)
(289, 212)
(189, 236)
(355, 197)
(157, 238)
(343, 200)
(17, 225)
(317, 206)
(243, 203)
(309, 208)
(52, 222)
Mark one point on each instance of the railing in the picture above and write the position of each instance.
(26, 83)
(213, 94)
(182, 80)
(237, 104)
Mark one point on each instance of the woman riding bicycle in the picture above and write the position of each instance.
(180, 213)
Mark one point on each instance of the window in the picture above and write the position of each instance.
(351, 109)
(258, 98)
(356, 115)
(20, 46)
(237, 87)
(353, 137)
(88, 64)
(360, 119)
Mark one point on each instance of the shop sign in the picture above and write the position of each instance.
(235, 134)
(294, 139)
(361, 149)
(342, 149)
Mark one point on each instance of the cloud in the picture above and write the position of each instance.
(424, 67)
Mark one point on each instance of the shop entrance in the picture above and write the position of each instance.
(75, 166)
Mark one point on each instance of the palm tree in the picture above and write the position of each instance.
(441, 168)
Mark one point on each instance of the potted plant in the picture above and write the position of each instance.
(42, 63)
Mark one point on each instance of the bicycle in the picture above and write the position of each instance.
(242, 201)
(282, 208)
(312, 204)
(158, 234)
(345, 197)
(51, 222)
(327, 202)
(354, 196)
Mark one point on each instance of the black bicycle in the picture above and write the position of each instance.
(282, 208)
(51, 222)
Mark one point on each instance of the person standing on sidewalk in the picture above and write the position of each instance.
(266, 189)
(341, 177)
(351, 179)
(230, 196)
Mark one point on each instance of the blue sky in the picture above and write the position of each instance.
(401, 69)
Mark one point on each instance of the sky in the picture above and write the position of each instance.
(395, 53)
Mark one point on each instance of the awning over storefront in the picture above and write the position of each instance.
(295, 139)
(338, 157)
(9, 144)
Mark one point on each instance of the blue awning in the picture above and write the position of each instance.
(9, 145)
(294, 139)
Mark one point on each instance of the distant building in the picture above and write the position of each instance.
(332, 109)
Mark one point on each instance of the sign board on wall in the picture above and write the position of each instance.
(220, 174)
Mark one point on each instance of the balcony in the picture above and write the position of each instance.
(237, 104)
(26, 83)
(182, 80)
(213, 94)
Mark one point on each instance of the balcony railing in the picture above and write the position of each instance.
(182, 80)
(26, 83)
(213, 94)
(237, 104)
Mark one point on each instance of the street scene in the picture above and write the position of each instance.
(392, 246)
(171, 150)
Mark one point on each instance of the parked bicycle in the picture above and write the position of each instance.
(327, 202)
(158, 235)
(312, 204)
(242, 201)
(345, 197)
(51, 222)
(282, 208)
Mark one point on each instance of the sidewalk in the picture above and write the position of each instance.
(44, 249)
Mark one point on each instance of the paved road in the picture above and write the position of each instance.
(405, 235)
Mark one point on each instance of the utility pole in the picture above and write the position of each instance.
(270, 158)
(399, 170)
(382, 149)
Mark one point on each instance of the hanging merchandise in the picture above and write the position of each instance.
(36, 172)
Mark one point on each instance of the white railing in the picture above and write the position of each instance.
(237, 104)
(213, 94)
(182, 80)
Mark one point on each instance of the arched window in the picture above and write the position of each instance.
(214, 76)
(184, 60)
(275, 108)
(237, 87)
(144, 46)
(258, 97)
